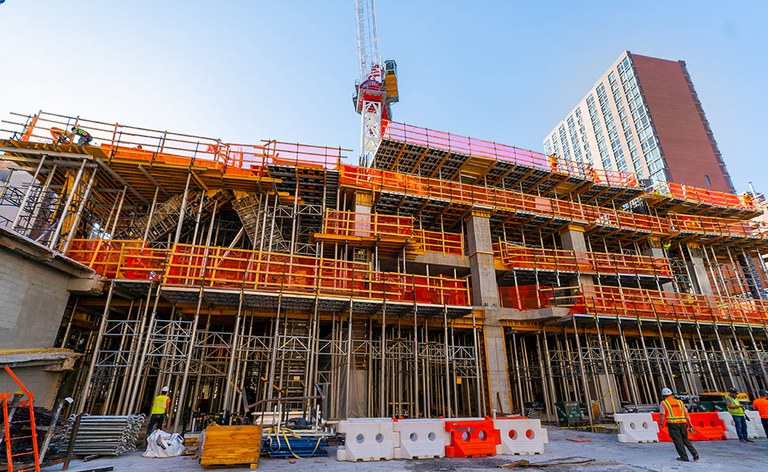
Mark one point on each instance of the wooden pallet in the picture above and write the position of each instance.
(231, 445)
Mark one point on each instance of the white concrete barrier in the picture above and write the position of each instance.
(730, 426)
(421, 438)
(367, 439)
(754, 427)
(520, 436)
(637, 427)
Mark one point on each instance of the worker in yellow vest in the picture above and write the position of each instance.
(737, 413)
(673, 412)
(160, 407)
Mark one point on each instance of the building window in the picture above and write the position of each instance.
(709, 182)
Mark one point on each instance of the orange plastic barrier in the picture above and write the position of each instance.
(706, 427)
(472, 438)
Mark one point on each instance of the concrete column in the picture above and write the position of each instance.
(699, 276)
(572, 239)
(485, 295)
(485, 289)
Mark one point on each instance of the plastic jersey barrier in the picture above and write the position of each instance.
(472, 438)
(367, 439)
(754, 427)
(421, 438)
(520, 436)
(707, 427)
(637, 427)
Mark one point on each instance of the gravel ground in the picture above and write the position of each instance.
(610, 455)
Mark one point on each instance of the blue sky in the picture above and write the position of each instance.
(506, 71)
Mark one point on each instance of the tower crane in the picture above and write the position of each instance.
(376, 90)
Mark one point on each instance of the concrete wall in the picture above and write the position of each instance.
(42, 383)
(32, 302)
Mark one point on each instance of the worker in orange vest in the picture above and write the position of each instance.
(675, 415)
(761, 405)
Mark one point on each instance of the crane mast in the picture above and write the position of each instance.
(376, 89)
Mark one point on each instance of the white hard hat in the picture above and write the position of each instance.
(165, 389)
(665, 391)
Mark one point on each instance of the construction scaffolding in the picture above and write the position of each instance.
(453, 277)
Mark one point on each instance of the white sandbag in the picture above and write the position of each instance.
(162, 444)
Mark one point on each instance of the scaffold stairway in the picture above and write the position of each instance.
(251, 212)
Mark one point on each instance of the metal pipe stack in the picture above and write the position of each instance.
(106, 435)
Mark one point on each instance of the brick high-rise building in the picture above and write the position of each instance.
(644, 116)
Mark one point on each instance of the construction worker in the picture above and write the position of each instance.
(674, 414)
(553, 162)
(737, 413)
(83, 137)
(761, 405)
(160, 407)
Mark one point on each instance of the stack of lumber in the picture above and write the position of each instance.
(191, 441)
(231, 445)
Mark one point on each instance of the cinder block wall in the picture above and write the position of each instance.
(32, 302)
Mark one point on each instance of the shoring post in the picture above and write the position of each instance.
(188, 363)
(79, 213)
(232, 353)
(183, 208)
(151, 214)
(583, 373)
(23, 203)
(119, 210)
(70, 197)
(136, 374)
(95, 353)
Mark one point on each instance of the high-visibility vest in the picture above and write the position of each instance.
(159, 404)
(675, 410)
(737, 410)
